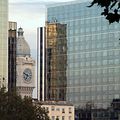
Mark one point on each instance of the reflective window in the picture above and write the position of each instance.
(92, 54)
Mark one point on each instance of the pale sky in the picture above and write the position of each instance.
(29, 14)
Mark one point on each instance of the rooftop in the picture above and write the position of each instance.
(60, 103)
(67, 3)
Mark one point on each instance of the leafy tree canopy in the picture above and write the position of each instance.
(111, 9)
(13, 107)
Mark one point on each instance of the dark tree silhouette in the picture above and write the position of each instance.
(13, 107)
(111, 9)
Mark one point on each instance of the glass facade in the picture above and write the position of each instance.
(12, 32)
(93, 53)
(3, 42)
(52, 62)
(56, 61)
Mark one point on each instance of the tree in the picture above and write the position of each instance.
(40, 113)
(13, 107)
(111, 9)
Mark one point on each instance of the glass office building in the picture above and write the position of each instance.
(51, 62)
(12, 40)
(56, 61)
(93, 53)
(3, 42)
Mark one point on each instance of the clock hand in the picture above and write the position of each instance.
(25, 73)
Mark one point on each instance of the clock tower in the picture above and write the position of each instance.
(25, 82)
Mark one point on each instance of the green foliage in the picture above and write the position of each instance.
(13, 107)
(41, 113)
(111, 9)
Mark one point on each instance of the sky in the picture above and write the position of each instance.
(29, 14)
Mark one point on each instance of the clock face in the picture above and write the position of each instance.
(27, 74)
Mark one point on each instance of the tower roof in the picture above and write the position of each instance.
(23, 48)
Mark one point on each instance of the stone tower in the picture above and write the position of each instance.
(25, 67)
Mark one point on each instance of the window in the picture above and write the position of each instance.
(116, 61)
(52, 108)
(47, 108)
(104, 62)
(70, 110)
(70, 118)
(116, 96)
(57, 117)
(104, 88)
(57, 109)
(63, 110)
(116, 52)
(63, 117)
(53, 117)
